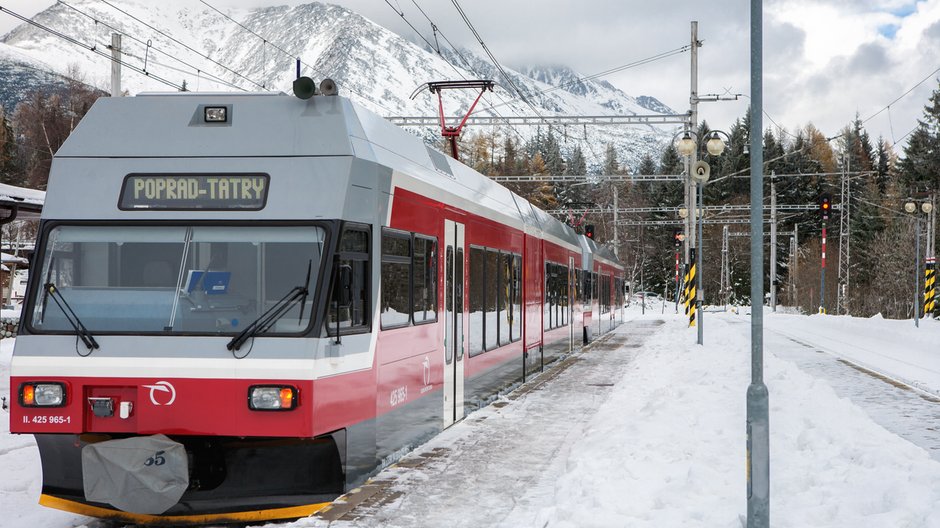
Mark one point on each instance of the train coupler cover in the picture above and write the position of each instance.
(145, 475)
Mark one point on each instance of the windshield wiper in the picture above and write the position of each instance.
(266, 320)
(72, 317)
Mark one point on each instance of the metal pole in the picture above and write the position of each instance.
(725, 278)
(116, 65)
(677, 277)
(686, 222)
(616, 233)
(773, 242)
(693, 124)
(932, 219)
(642, 265)
(758, 422)
(916, 271)
(698, 266)
(795, 267)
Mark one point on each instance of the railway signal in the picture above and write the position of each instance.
(825, 205)
(589, 231)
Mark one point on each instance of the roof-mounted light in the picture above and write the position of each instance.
(216, 114)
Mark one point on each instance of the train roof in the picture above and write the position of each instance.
(171, 125)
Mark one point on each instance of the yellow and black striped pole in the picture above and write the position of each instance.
(930, 287)
(690, 288)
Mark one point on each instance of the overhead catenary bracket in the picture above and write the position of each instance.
(451, 133)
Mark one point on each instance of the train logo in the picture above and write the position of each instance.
(427, 370)
(161, 386)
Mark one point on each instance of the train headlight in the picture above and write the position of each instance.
(272, 398)
(42, 395)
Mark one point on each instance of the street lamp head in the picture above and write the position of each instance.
(926, 207)
(910, 207)
(683, 212)
(715, 145)
(686, 145)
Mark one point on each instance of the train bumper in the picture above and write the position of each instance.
(228, 479)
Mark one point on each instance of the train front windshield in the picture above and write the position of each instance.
(177, 279)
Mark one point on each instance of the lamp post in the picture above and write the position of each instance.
(910, 207)
(699, 173)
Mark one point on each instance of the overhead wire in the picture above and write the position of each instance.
(496, 63)
(267, 41)
(401, 13)
(902, 96)
(164, 34)
(506, 76)
(124, 32)
(869, 118)
(617, 69)
(92, 48)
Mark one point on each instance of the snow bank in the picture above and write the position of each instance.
(667, 449)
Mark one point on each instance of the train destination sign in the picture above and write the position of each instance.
(212, 192)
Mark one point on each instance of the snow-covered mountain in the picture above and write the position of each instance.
(179, 43)
(19, 74)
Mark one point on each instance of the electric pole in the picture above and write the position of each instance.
(773, 242)
(725, 278)
(758, 414)
(116, 65)
(845, 241)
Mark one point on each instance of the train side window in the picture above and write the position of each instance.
(562, 318)
(547, 300)
(477, 258)
(490, 292)
(556, 295)
(349, 304)
(604, 299)
(594, 284)
(504, 298)
(396, 279)
(516, 322)
(425, 279)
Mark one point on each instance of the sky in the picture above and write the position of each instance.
(825, 61)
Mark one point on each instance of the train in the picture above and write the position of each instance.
(243, 305)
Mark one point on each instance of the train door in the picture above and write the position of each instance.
(453, 321)
(571, 301)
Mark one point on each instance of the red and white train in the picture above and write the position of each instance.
(244, 305)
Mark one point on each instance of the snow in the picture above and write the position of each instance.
(648, 429)
(12, 193)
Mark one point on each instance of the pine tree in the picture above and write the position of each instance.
(574, 194)
(884, 165)
(611, 165)
(576, 165)
(920, 166)
(509, 163)
(551, 153)
(544, 195)
(647, 165)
